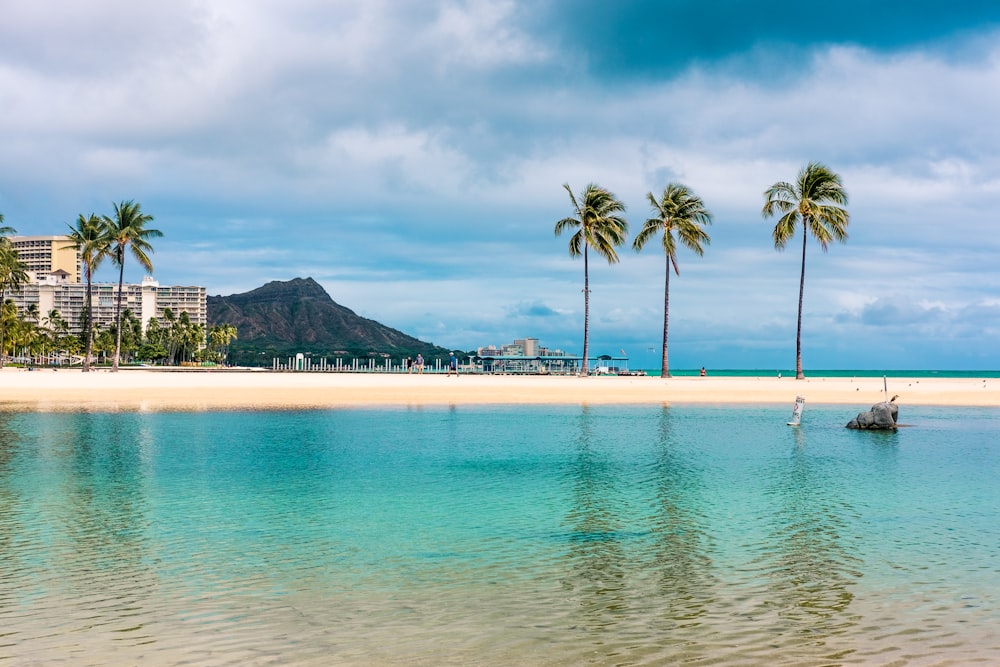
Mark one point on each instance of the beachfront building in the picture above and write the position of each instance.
(526, 356)
(42, 255)
(55, 282)
(146, 300)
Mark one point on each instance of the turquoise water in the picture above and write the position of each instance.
(809, 373)
(499, 536)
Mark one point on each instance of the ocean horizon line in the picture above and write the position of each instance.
(831, 373)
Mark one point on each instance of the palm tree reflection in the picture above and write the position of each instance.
(810, 568)
(10, 501)
(106, 519)
(597, 577)
(683, 545)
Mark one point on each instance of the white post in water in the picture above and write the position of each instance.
(800, 404)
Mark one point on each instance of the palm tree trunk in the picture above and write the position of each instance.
(799, 375)
(586, 313)
(89, 323)
(3, 295)
(118, 315)
(664, 361)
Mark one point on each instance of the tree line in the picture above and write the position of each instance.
(815, 201)
(99, 238)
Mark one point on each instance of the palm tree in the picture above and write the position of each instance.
(219, 337)
(599, 225)
(12, 276)
(4, 231)
(170, 324)
(90, 240)
(127, 232)
(680, 211)
(817, 199)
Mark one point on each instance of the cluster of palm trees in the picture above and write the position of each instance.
(98, 238)
(12, 276)
(816, 200)
(111, 237)
(36, 334)
(176, 339)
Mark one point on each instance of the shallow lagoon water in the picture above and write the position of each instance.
(545, 535)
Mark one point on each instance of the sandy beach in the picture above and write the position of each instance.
(55, 390)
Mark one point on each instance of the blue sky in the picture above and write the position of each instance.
(410, 157)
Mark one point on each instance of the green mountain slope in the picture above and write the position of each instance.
(282, 318)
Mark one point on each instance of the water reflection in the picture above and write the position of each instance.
(809, 563)
(10, 519)
(683, 545)
(106, 522)
(596, 578)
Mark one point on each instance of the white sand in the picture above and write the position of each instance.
(130, 389)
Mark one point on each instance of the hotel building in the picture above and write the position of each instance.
(41, 255)
(52, 286)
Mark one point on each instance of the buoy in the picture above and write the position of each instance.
(800, 404)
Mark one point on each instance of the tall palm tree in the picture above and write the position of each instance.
(599, 225)
(816, 199)
(12, 276)
(89, 238)
(127, 232)
(678, 211)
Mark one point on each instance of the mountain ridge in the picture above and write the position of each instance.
(298, 315)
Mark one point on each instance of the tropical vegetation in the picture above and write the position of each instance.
(816, 200)
(47, 339)
(679, 216)
(12, 276)
(89, 238)
(600, 225)
(36, 337)
(126, 233)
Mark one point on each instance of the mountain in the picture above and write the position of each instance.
(282, 318)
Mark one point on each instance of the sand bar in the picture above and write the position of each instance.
(51, 390)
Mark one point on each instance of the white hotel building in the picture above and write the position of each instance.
(53, 285)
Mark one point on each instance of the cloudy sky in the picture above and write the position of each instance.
(410, 157)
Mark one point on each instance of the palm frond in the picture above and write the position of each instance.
(817, 198)
(678, 211)
(785, 229)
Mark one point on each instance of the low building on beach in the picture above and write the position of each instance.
(526, 356)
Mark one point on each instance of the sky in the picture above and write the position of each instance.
(410, 157)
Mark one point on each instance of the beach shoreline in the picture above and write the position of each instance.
(200, 389)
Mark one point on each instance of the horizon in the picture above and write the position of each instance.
(410, 158)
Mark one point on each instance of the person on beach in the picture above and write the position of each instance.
(420, 364)
(703, 373)
(452, 365)
(409, 365)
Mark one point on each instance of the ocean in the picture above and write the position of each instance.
(499, 535)
(836, 373)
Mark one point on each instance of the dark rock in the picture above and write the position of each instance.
(881, 417)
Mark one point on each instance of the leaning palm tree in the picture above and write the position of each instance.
(12, 276)
(680, 211)
(599, 225)
(127, 232)
(88, 237)
(817, 200)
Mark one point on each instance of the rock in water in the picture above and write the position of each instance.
(881, 417)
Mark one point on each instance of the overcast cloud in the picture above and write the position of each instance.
(410, 157)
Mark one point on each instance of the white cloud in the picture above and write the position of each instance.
(411, 156)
